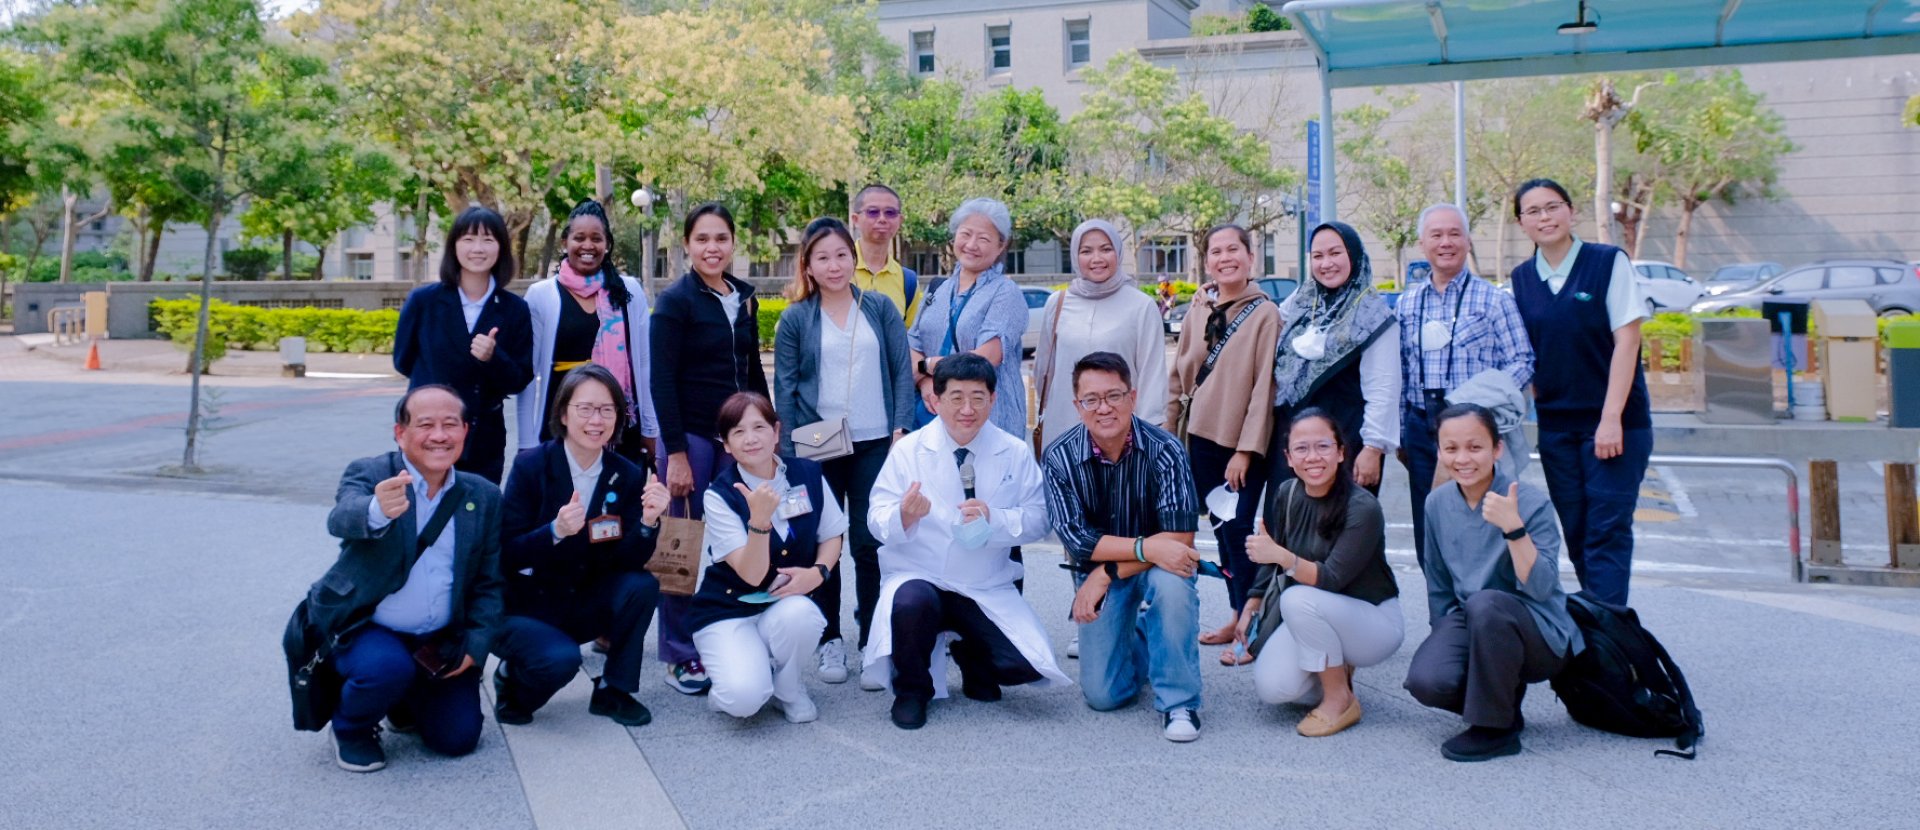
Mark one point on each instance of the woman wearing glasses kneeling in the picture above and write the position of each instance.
(1324, 601)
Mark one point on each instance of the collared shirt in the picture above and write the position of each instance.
(1624, 303)
(1147, 490)
(993, 309)
(425, 603)
(890, 281)
(1487, 333)
(470, 309)
(584, 480)
(726, 533)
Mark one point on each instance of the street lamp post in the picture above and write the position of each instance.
(642, 200)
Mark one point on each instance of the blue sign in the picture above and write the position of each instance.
(1313, 174)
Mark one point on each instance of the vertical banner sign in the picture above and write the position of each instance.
(1313, 174)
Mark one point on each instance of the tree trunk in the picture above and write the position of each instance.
(1500, 247)
(1603, 180)
(546, 251)
(67, 200)
(319, 262)
(286, 255)
(153, 253)
(1680, 235)
(188, 460)
(520, 243)
(141, 225)
(422, 222)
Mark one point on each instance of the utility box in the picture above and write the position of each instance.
(293, 357)
(96, 304)
(1734, 361)
(1848, 333)
(1903, 373)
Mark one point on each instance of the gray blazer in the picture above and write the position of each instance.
(796, 363)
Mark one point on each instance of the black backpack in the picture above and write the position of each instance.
(1624, 682)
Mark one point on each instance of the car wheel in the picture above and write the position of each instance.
(1653, 307)
(1894, 311)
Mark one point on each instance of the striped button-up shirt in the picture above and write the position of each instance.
(1147, 490)
(1487, 334)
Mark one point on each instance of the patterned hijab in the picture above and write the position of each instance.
(1352, 316)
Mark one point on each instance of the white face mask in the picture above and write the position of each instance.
(1223, 504)
(973, 533)
(1435, 335)
(1311, 344)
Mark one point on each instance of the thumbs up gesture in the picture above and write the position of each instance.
(1262, 549)
(914, 506)
(572, 517)
(392, 494)
(483, 344)
(1503, 511)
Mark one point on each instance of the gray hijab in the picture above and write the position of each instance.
(1083, 287)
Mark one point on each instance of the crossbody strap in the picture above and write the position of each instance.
(1053, 346)
(1214, 355)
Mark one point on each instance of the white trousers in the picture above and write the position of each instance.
(751, 659)
(1320, 629)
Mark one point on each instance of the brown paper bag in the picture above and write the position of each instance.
(676, 556)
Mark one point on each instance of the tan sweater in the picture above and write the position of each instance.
(1234, 408)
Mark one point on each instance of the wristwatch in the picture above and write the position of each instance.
(825, 572)
(1112, 569)
(923, 367)
(1515, 534)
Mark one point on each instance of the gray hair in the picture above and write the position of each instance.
(1465, 224)
(993, 209)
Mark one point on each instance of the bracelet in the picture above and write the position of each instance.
(752, 529)
(1140, 548)
(825, 571)
(1515, 534)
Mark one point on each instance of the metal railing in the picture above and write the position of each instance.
(68, 325)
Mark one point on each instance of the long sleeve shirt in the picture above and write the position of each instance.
(1147, 490)
(1466, 554)
(1486, 333)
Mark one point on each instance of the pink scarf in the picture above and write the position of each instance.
(610, 344)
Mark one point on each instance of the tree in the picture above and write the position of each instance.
(1520, 129)
(1389, 174)
(21, 109)
(1713, 138)
(1606, 109)
(330, 190)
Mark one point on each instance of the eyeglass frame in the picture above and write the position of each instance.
(1111, 399)
(1538, 211)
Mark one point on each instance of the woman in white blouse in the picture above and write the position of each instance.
(1102, 310)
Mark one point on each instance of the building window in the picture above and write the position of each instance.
(1000, 49)
(923, 52)
(1079, 43)
(1164, 255)
(1016, 261)
(360, 266)
(406, 265)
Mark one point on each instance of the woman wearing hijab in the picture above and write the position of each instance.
(1339, 352)
(1102, 310)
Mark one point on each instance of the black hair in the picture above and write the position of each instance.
(1531, 184)
(1474, 411)
(735, 408)
(575, 378)
(963, 366)
(1206, 240)
(706, 209)
(1333, 517)
(875, 187)
(477, 217)
(616, 287)
(819, 229)
(401, 417)
(1102, 362)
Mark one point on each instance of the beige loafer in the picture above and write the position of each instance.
(1315, 726)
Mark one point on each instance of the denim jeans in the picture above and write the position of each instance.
(1124, 645)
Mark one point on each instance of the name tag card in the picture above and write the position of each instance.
(606, 528)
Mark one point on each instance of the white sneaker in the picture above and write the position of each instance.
(799, 711)
(833, 662)
(1073, 647)
(1182, 725)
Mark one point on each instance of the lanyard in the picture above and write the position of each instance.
(953, 314)
(1452, 326)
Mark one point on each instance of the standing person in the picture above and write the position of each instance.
(950, 503)
(876, 218)
(1120, 495)
(840, 365)
(1101, 310)
(1498, 613)
(774, 528)
(577, 529)
(978, 311)
(1326, 602)
(1339, 352)
(1452, 327)
(706, 347)
(1220, 399)
(412, 604)
(468, 332)
(588, 312)
(1582, 310)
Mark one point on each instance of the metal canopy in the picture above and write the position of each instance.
(1390, 42)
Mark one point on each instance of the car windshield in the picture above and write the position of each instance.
(1736, 273)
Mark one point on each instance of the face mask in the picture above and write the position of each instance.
(1223, 504)
(1435, 335)
(1311, 344)
(973, 534)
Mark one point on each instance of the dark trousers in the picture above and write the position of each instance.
(1479, 659)
(1210, 471)
(851, 478)
(1595, 500)
(486, 450)
(379, 673)
(707, 459)
(543, 646)
(920, 612)
(1420, 454)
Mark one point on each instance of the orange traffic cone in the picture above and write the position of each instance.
(93, 356)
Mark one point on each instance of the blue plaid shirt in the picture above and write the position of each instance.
(1488, 335)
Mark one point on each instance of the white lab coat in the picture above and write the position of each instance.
(1008, 480)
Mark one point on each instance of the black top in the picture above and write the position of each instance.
(1353, 563)
(700, 357)
(432, 344)
(573, 341)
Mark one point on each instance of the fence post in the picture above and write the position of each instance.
(1903, 517)
(1823, 484)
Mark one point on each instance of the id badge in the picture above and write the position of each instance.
(606, 528)
(795, 503)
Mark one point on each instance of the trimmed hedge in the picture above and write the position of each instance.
(769, 319)
(250, 328)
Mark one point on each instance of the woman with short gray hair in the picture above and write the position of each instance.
(977, 310)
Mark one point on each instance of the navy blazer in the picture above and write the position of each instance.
(374, 564)
(432, 345)
(544, 576)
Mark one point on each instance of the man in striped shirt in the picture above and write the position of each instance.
(1452, 327)
(1120, 495)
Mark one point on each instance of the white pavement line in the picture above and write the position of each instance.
(582, 771)
(1822, 607)
(1639, 565)
(1716, 541)
(1677, 492)
(351, 375)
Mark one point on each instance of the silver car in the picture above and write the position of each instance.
(1664, 285)
(1890, 286)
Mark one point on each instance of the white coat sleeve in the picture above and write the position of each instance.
(1025, 519)
(1380, 380)
(883, 505)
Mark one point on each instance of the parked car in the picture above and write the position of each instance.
(1036, 318)
(1177, 316)
(1740, 275)
(1278, 288)
(1890, 286)
(1665, 286)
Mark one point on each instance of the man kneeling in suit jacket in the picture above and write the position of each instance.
(411, 620)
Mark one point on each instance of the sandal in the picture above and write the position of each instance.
(1227, 658)
(1216, 638)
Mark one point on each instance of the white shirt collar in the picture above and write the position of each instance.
(1566, 265)
(779, 474)
(574, 468)
(466, 303)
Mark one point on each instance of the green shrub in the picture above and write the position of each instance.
(250, 328)
(250, 263)
(770, 308)
(1262, 18)
(95, 264)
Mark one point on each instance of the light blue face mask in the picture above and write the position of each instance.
(973, 534)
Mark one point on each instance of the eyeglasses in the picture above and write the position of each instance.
(961, 399)
(585, 411)
(1094, 403)
(1311, 450)
(876, 213)
(1538, 211)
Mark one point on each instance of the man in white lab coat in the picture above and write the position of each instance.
(951, 502)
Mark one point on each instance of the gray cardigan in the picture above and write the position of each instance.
(1466, 555)
(796, 363)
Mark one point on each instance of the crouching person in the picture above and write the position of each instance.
(1498, 612)
(580, 524)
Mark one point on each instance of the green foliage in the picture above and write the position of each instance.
(1391, 173)
(88, 266)
(1707, 137)
(1262, 18)
(250, 328)
(22, 108)
(769, 320)
(250, 263)
(1911, 116)
(1183, 290)
(1210, 25)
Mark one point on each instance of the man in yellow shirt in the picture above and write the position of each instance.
(876, 220)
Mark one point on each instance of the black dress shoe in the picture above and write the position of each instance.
(985, 691)
(1481, 743)
(909, 712)
(504, 709)
(609, 702)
